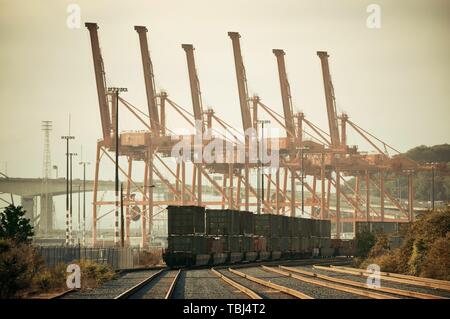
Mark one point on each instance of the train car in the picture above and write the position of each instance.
(199, 237)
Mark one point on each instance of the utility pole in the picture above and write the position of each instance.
(122, 223)
(67, 138)
(70, 201)
(79, 220)
(84, 200)
(116, 91)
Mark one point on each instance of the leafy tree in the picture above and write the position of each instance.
(14, 226)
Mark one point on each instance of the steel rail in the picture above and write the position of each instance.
(272, 285)
(387, 278)
(172, 285)
(127, 293)
(400, 292)
(395, 275)
(241, 288)
(354, 291)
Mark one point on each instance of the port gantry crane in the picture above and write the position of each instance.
(322, 156)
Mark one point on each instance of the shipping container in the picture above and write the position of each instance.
(305, 244)
(250, 255)
(247, 243)
(236, 257)
(325, 242)
(264, 255)
(326, 252)
(294, 227)
(305, 227)
(285, 221)
(260, 244)
(273, 244)
(216, 244)
(219, 258)
(232, 244)
(285, 244)
(223, 222)
(185, 220)
(315, 242)
(325, 228)
(247, 223)
(267, 225)
(295, 244)
(315, 226)
(195, 244)
(276, 255)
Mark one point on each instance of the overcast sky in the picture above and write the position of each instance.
(392, 81)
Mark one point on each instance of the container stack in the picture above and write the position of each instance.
(186, 234)
(268, 227)
(234, 231)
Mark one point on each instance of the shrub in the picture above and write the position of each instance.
(437, 262)
(425, 250)
(94, 274)
(19, 263)
(365, 240)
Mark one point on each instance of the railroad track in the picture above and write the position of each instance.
(308, 279)
(159, 285)
(134, 284)
(300, 283)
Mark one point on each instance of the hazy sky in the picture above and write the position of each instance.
(392, 81)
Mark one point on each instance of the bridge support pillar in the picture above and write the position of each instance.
(28, 205)
(46, 219)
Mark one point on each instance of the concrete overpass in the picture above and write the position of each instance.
(30, 188)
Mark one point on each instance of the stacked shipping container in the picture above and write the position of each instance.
(232, 236)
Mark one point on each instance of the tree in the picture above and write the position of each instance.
(14, 226)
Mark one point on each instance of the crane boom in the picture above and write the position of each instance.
(149, 80)
(100, 81)
(194, 83)
(330, 100)
(285, 93)
(241, 81)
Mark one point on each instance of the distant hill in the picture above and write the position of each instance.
(436, 153)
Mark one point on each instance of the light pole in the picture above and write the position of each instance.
(150, 216)
(70, 201)
(116, 91)
(84, 201)
(302, 149)
(67, 138)
(261, 165)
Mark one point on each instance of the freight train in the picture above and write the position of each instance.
(199, 237)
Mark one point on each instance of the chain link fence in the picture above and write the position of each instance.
(116, 258)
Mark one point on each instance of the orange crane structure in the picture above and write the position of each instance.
(322, 158)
